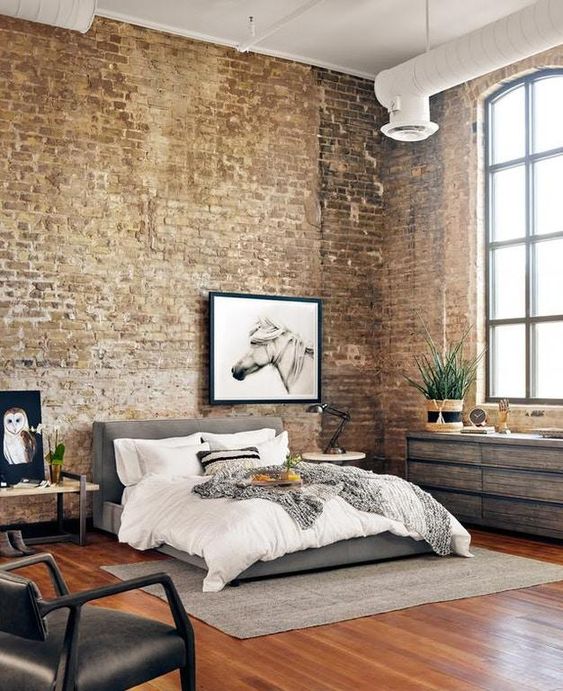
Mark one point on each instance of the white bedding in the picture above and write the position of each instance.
(231, 535)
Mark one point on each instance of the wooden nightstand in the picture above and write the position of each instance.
(336, 458)
(72, 484)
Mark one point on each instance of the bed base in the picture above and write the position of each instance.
(359, 550)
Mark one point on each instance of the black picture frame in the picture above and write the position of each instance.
(14, 405)
(244, 312)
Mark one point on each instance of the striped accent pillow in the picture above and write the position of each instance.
(229, 461)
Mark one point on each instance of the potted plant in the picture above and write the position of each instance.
(55, 457)
(445, 377)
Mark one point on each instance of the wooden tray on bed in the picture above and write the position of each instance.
(276, 482)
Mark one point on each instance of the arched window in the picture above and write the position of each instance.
(524, 200)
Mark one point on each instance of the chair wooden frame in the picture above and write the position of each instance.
(68, 663)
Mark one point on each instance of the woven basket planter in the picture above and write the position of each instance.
(444, 416)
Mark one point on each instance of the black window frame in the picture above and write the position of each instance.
(529, 240)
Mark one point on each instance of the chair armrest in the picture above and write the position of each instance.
(43, 558)
(76, 600)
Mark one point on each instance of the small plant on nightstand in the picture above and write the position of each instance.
(55, 452)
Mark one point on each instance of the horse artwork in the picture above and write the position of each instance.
(273, 344)
(264, 348)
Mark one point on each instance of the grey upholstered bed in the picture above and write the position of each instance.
(108, 507)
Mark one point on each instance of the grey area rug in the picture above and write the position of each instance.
(258, 608)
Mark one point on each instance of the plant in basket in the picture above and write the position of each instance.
(445, 377)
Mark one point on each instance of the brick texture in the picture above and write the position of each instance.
(140, 170)
(433, 251)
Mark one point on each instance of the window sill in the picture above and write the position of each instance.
(524, 406)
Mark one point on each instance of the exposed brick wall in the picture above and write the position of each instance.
(433, 250)
(352, 227)
(140, 170)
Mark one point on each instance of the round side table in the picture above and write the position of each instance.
(336, 458)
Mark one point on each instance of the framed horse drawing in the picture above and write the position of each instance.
(264, 349)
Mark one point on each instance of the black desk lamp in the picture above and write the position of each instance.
(344, 418)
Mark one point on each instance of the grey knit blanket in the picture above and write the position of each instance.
(387, 495)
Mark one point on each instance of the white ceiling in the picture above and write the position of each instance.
(358, 37)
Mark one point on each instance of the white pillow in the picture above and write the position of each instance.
(274, 451)
(172, 461)
(127, 457)
(238, 440)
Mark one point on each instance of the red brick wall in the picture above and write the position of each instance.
(351, 236)
(140, 170)
(433, 250)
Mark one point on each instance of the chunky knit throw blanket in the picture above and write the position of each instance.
(387, 495)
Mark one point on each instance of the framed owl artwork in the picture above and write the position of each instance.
(21, 449)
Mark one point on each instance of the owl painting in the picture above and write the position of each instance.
(19, 443)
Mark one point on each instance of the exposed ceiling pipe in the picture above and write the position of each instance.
(66, 14)
(405, 90)
(276, 26)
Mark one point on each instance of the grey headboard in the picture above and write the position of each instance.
(104, 433)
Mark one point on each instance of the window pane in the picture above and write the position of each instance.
(548, 185)
(549, 363)
(509, 129)
(509, 204)
(548, 277)
(509, 282)
(508, 360)
(548, 113)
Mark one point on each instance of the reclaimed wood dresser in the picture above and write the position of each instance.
(512, 482)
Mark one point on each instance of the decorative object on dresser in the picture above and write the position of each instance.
(478, 419)
(344, 415)
(510, 482)
(264, 348)
(22, 449)
(345, 458)
(503, 414)
(445, 377)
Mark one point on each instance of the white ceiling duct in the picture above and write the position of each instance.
(66, 14)
(405, 90)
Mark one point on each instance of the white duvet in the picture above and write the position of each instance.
(231, 535)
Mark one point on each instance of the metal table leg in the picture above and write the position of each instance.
(60, 512)
(82, 512)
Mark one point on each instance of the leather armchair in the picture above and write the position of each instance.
(66, 644)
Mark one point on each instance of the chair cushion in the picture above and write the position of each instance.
(116, 651)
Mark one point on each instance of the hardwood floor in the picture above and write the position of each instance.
(507, 641)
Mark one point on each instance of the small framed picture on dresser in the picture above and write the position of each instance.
(21, 448)
(264, 349)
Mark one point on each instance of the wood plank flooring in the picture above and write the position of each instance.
(506, 641)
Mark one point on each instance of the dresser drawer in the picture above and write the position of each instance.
(533, 457)
(542, 519)
(465, 507)
(527, 485)
(439, 450)
(445, 475)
